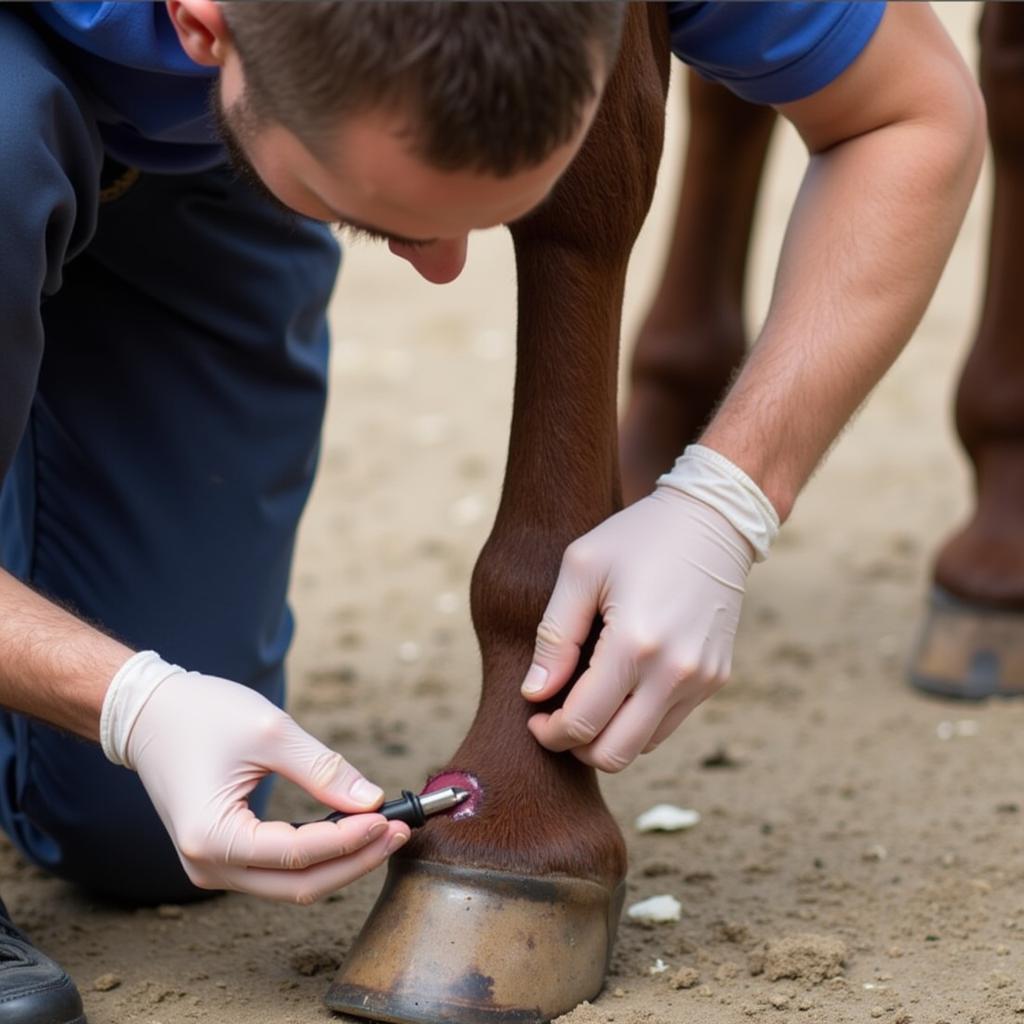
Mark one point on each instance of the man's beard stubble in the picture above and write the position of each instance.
(237, 156)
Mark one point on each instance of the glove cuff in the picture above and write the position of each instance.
(710, 477)
(126, 696)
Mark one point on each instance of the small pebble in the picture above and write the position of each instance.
(170, 911)
(720, 757)
(778, 1000)
(106, 982)
(877, 1011)
(876, 852)
(657, 868)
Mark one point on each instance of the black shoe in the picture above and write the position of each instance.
(33, 989)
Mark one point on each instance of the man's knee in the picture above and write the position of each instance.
(102, 832)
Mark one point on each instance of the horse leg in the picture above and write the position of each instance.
(692, 340)
(972, 644)
(506, 910)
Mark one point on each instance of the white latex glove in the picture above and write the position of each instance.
(201, 744)
(667, 576)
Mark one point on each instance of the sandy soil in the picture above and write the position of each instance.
(840, 816)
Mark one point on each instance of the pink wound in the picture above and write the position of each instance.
(463, 780)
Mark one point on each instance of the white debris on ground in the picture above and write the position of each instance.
(430, 429)
(656, 910)
(468, 510)
(963, 727)
(667, 818)
(491, 344)
(448, 602)
(658, 967)
(408, 652)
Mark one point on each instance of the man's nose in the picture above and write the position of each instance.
(439, 262)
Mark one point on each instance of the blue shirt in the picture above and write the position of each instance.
(152, 101)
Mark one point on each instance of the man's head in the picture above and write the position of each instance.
(415, 122)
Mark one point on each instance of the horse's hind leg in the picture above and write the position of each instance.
(692, 340)
(972, 644)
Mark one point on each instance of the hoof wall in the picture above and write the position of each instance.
(473, 946)
(968, 651)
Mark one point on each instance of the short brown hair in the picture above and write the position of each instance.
(493, 87)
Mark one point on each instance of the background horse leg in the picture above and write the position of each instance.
(692, 340)
(973, 642)
(508, 914)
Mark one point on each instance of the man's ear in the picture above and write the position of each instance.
(202, 30)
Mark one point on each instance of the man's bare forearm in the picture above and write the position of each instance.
(53, 666)
(873, 225)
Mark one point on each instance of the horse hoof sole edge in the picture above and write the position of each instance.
(968, 651)
(459, 945)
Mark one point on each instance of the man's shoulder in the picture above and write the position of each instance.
(137, 35)
(772, 52)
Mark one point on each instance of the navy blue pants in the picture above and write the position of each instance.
(163, 361)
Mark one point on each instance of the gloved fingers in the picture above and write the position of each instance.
(310, 884)
(692, 689)
(662, 689)
(593, 700)
(671, 722)
(276, 844)
(566, 623)
(320, 771)
(626, 735)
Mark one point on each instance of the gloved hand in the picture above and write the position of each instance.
(200, 745)
(667, 576)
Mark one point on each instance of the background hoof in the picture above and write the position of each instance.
(968, 651)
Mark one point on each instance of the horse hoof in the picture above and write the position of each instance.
(475, 946)
(968, 651)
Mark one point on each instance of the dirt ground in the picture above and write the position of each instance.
(841, 815)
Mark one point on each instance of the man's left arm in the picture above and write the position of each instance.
(896, 143)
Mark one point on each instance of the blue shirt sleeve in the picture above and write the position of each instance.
(772, 52)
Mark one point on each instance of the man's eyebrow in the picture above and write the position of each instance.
(370, 231)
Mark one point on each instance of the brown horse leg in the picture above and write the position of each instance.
(973, 642)
(693, 339)
(507, 914)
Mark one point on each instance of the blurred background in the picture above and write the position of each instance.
(836, 803)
